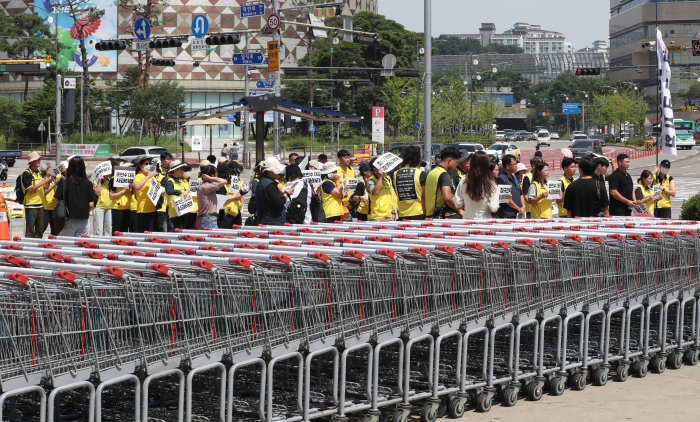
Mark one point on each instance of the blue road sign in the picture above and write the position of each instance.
(142, 29)
(265, 84)
(312, 128)
(248, 58)
(417, 126)
(570, 108)
(252, 10)
(200, 26)
(232, 117)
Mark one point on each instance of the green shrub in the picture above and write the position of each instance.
(690, 210)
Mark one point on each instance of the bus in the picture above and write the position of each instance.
(685, 133)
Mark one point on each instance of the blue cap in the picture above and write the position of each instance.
(665, 163)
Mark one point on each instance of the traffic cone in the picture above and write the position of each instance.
(4, 220)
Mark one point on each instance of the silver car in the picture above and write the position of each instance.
(130, 154)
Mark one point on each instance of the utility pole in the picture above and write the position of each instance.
(246, 119)
(82, 96)
(428, 84)
(331, 107)
(276, 80)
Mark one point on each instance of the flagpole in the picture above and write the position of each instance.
(658, 87)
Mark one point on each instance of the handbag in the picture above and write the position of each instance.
(60, 213)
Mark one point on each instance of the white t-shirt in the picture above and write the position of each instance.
(298, 185)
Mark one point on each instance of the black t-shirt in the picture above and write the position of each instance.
(622, 182)
(78, 198)
(604, 199)
(582, 197)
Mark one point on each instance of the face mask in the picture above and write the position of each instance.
(665, 170)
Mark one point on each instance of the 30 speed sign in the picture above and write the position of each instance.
(696, 47)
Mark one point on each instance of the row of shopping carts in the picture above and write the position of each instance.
(362, 320)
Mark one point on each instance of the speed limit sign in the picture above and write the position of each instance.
(273, 22)
(696, 47)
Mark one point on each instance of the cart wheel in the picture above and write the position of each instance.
(427, 414)
(640, 369)
(534, 391)
(456, 411)
(510, 397)
(442, 408)
(675, 360)
(621, 373)
(579, 381)
(600, 377)
(691, 358)
(658, 365)
(397, 416)
(366, 419)
(557, 386)
(483, 403)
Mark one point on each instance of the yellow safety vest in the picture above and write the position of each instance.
(160, 178)
(182, 186)
(36, 197)
(563, 211)
(382, 204)
(234, 207)
(48, 196)
(363, 208)
(345, 175)
(103, 201)
(528, 177)
(433, 195)
(414, 207)
(542, 209)
(331, 205)
(647, 192)
(665, 201)
(124, 202)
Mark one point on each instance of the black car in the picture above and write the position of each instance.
(511, 137)
(524, 136)
(600, 138)
(581, 147)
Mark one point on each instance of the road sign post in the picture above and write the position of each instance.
(200, 26)
(248, 58)
(696, 47)
(570, 108)
(378, 125)
(273, 22)
(142, 29)
(252, 10)
(273, 57)
(265, 84)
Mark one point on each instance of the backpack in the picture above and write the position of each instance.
(296, 212)
(19, 192)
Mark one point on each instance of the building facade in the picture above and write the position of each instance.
(531, 38)
(633, 23)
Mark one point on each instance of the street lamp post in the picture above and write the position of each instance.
(428, 83)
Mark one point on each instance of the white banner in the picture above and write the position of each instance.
(194, 185)
(123, 176)
(102, 168)
(388, 162)
(554, 189)
(668, 130)
(182, 205)
(313, 176)
(656, 192)
(154, 192)
(504, 192)
(351, 184)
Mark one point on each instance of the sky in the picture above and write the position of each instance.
(582, 22)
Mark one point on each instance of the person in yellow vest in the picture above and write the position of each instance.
(234, 208)
(528, 180)
(33, 189)
(382, 195)
(162, 212)
(537, 195)
(145, 208)
(668, 189)
(360, 194)
(569, 166)
(102, 214)
(49, 191)
(438, 191)
(332, 192)
(644, 194)
(462, 169)
(177, 186)
(121, 205)
(345, 161)
(409, 181)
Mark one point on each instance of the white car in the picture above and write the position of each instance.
(499, 150)
(500, 135)
(130, 154)
(544, 139)
(554, 135)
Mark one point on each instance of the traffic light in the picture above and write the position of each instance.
(237, 119)
(165, 43)
(366, 39)
(296, 72)
(223, 39)
(354, 73)
(162, 62)
(588, 71)
(110, 45)
(408, 74)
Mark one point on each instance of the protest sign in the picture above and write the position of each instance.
(504, 192)
(554, 189)
(183, 205)
(124, 176)
(313, 177)
(194, 185)
(103, 168)
(388, 162)
(154, 191)
(405, 185)
(656, 192)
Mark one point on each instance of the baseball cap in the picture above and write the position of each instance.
(465, 156)
(292, 169)
(665, 163)
(365, 166)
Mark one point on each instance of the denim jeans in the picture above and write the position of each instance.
(102, 221)
(208, 222)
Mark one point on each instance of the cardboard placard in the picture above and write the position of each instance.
(123, 176)
(194, 185)
(154, 191)
(313, 177)
(554, 189)
(504, 192)
(183, 205)
(388, 162)
(102, 168)
(351, 184)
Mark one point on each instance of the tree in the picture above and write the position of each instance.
(31, 35)
(485, 112)
(10, 122)
(503, 49)
(119, 95)
(691, 93)
(161, 99)
(455, 46)
(395, 103)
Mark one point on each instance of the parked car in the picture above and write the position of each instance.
(10, 156)
(500, 135)
(554, 135)
(463, 146)
(543, 138)
(511, 137)
(130, 154)
(533, 136)
(524, 135)
(599, 138)
(579, 136)
(581, 147)
(498, 150)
